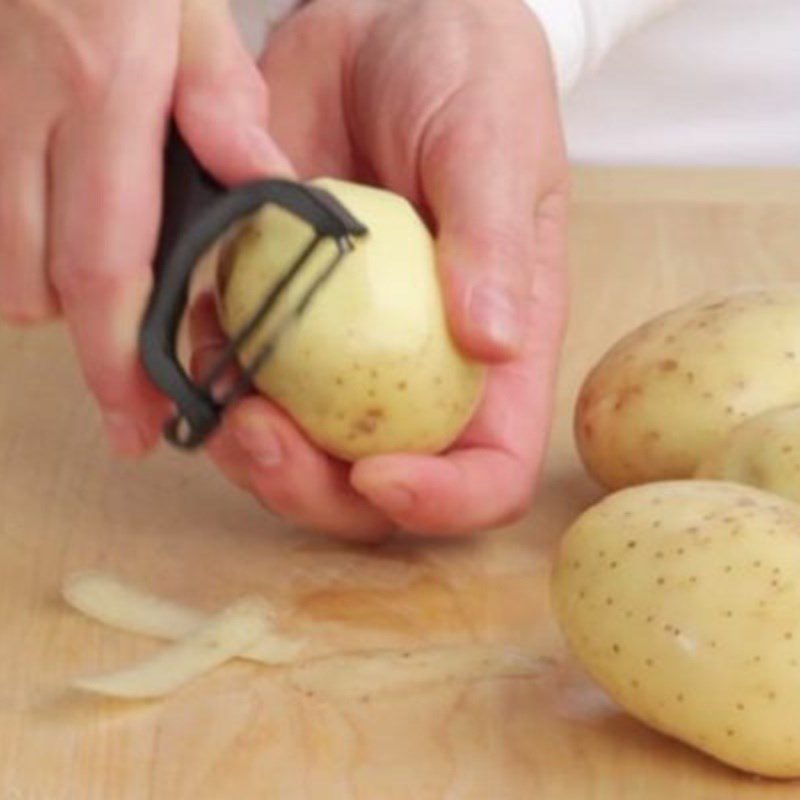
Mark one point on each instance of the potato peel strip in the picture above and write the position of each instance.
(389, 672)
(217, 640)
(106, 599)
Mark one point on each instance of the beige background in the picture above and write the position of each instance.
(640, 242)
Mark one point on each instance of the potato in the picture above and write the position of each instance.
(682, 600)
(370, 366)
(763, 451)
(668, 394)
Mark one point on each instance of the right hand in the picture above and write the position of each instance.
(86, 91)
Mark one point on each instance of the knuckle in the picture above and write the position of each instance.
(519, 504)
(89, 66)
(81, 278)
(86, 69)
(25, 315)
(280, 501)
(105, 385)
(503, 246)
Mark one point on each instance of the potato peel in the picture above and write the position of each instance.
(390, 672)
(113, 602)
(219, 639)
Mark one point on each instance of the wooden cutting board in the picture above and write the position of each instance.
(513, 719)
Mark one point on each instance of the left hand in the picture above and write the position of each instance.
(453, 105)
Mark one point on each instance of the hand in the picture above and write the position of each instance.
(86, 88)
(452, 104)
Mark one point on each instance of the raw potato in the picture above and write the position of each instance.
(763, 451)
(682, 600)
(219, 639)
(113, 602)
(370, 367)
(668, 394)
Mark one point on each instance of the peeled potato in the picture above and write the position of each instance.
(370, 366)
(763, 451)
(667, 394)
(682, 600)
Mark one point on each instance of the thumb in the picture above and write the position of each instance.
(480, 178)
(221, 98)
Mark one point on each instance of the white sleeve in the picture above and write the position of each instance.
(582, 32)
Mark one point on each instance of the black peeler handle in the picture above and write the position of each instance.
(196, 212)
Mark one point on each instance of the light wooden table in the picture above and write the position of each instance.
(641, 241)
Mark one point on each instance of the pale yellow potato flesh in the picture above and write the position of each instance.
(370, 366)
(118, 604)
(763, 452)
(219, 639)
(682, 600)
(668, 393)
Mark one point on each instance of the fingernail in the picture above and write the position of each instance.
(266, 154)
(492, 309)
(125, 435)
(261, 443)
(391, 497)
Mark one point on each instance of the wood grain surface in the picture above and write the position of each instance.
(488, 706)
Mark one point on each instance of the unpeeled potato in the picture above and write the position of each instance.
(682, 600)
(668, 393)
(370, 366)
(763, 451)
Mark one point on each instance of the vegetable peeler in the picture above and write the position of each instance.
(197, 212)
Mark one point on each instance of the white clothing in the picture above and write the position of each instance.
(706, 82)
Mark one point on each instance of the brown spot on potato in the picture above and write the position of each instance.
(668, 365)
(369, 421)
(625, 395)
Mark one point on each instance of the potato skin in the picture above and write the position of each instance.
(681, 599)
(763, 451)
(370, 366)
(668, 393)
